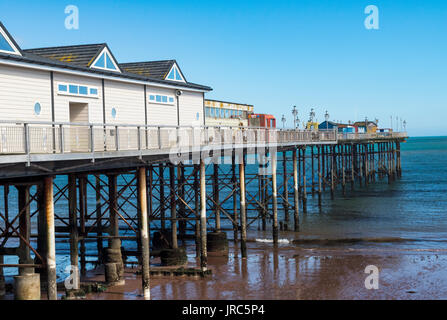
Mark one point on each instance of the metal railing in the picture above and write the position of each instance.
(59, 138)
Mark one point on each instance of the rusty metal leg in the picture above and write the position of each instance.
(286, 192)
(24, 228)
(74, 237)
(242, 213)
(203, 250)
(295, 192)
(144, 233)
(274, 198)
(51, 238)
(173, 203)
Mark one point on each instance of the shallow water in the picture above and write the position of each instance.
(410, 213)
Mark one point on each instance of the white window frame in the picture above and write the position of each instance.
(160, 102)
(14, 48)
(174, 66)
(67, 93)
(105, 51)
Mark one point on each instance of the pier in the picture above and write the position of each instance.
(138, 191)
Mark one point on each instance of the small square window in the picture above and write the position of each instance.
(63, 88)
(171, 99)
(83, 90)
(94, 91)
(164, 99)
(73, 89)
(158, 98)
(152, 97)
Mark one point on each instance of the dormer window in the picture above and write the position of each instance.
(105, 61)
(175, 75)
(6, 44)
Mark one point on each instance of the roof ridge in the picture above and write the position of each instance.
(139, 62)
(71, 46)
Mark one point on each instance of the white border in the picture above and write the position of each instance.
(105, 61)
(16, 51)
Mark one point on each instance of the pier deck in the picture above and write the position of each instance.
(112, 184)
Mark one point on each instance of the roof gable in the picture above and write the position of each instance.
(175, 74)
(7, 42)
(105, 60)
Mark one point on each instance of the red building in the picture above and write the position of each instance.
(261, 120)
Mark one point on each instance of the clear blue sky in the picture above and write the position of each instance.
(273, 54)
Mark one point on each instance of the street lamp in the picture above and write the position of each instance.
(283, 119)
(326, 117)
(295, 115)
(405, 125)
(297, 121)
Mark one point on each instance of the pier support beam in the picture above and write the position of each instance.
(51, 238)
(274, 199)
(295, 192)
(286, 192)
(74, 236)
(243, 214)
(173, 207)
(216, 196)
(203, 250)
(304, 182)
(144, 232)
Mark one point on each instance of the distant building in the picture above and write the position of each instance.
(328, 125)
(222, 113)
(366, 126)
(261, 120)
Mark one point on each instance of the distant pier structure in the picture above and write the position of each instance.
(112, 164)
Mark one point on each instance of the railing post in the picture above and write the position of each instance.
(159, 137)
(117, 140)
(139, 138)
(26, 142)
(92, 143)
(61, 138)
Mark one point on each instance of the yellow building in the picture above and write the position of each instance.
(222, 113)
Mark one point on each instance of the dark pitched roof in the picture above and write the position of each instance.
(152, 69)
(79, 55)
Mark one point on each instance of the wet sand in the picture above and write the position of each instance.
(291, 273)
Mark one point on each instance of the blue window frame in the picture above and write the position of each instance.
(73, 89)
(158, 98)
(93, 91)
(152, 97)
(63, 88)
(171, 99)
(174, 74)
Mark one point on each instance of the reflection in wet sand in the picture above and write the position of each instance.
(293, 273)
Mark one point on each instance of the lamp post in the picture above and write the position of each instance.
(326, 117)
(405, 125)
(311, 118)
(283, 119)
(295, 115)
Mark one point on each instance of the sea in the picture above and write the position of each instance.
(407, 214)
